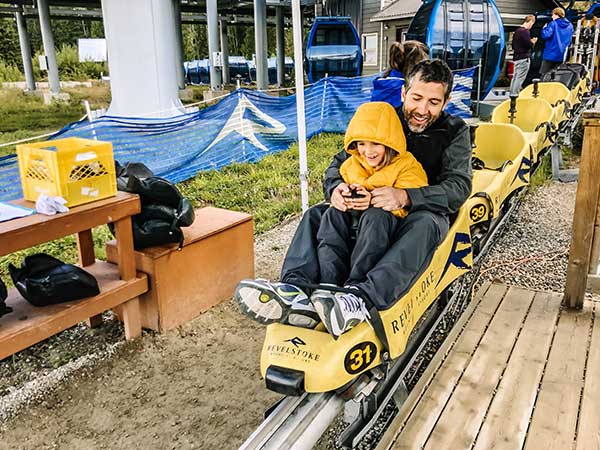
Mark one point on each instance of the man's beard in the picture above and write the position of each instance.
(418, 128)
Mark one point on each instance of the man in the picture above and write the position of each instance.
(557, 35)
(522, 44)
(441, 143)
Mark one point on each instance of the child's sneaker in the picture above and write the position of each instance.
(339, 311)
(268, 302)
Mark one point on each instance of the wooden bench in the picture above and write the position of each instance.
(218, 251)
(119, 284)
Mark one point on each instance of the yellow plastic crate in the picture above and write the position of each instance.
(79, 170)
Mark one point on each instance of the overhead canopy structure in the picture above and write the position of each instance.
(144, 37)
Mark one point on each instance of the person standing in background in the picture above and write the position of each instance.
(557, 35)
(522, 44)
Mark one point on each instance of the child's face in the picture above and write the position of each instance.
(371, 152)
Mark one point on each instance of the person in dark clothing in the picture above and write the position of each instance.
(557, 35)
(441, 143)
(522, 44)
(403, 57)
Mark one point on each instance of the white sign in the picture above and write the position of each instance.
(92, 50)
(43, 62)
(217, 59)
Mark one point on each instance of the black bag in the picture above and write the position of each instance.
(566, 76)
(3, 294)
(164, 209)
(43, 280)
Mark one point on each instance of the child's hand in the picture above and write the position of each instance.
(361, 198)
(339, 197)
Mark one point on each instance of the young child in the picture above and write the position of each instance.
(375, 140)
(379, 158)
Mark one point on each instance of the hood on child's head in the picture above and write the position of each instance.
(376, 122)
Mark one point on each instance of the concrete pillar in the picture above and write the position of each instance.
(212, 25)
(280, 33)
(140, 39)
(48, 40)
(260, 40)
(25, 50)
(224, 50)
(178, 45)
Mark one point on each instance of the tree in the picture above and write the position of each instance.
(10, 51)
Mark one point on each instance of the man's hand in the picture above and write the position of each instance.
(534, 40)
(362, 199)
(339, 197)
(390, 199)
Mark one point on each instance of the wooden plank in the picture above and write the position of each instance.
(586, 203)
(28, 324)
(473, 394)
(417, 417)
(554, 420)
(36, 229)
(507, 420)
(588, 431)
(85, 245)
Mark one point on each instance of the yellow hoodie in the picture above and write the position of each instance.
(378, 122)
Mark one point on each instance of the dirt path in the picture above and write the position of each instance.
(195, 387)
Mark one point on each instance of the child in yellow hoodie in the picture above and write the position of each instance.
(377, 145)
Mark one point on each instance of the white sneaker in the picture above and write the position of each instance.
(268, 302)
(339, 311)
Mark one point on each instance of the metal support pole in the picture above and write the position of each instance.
(260, 39)
(280, 46)
(180, 72)
(48, 40)
(297, 29)
(212, 25)
(225, 51)
(479, 70)
(25, 50)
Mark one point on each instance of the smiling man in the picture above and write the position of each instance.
(441, 143)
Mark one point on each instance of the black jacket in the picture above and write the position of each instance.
(444, 151)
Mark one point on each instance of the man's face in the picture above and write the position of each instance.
(423, 103)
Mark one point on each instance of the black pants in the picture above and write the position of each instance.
(414, 243)
(345, 255)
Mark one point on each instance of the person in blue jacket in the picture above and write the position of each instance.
(403, 57)
(557, 35)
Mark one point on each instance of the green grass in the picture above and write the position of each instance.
(543, 173)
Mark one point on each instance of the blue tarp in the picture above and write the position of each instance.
(243, 127)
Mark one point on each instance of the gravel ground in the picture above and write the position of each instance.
(50, 383)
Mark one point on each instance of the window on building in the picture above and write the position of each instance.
(369, 45)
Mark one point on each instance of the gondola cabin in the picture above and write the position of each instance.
(461, 32)
(332, 49)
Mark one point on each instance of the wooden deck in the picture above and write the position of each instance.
(517, 372)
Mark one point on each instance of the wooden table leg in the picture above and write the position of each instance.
(126, 259)
(125, 255)
(85, 245)
(132, 318)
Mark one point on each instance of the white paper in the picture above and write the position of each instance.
(8, 211)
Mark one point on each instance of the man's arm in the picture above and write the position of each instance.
(332, 174)
(454, 184)
(548, 30)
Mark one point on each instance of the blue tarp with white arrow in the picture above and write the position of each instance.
(243, 127)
